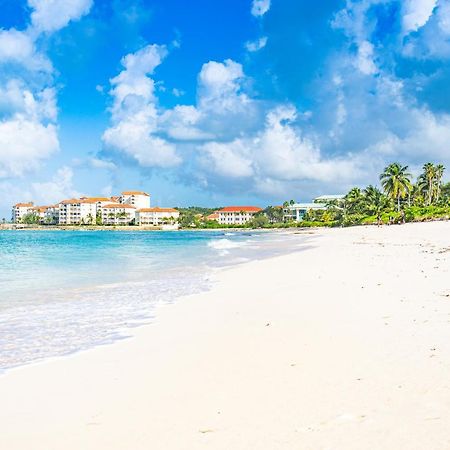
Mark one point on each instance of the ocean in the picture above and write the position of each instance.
(65, 291)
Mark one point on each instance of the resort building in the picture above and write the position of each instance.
(19, 210)
(82, 211)
(157, 216)
(40, 212)
(328, 198)
(51, 215)
(213, 216)
(297, 211)
(237, 215)
(137, 199)
(77, 211)
(118, 214)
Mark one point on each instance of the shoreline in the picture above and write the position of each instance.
(345, 346)
(12, 227)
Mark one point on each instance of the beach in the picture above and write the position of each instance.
(342, 344)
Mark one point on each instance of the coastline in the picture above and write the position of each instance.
(345, 345)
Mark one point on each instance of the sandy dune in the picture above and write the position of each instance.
(344, 345)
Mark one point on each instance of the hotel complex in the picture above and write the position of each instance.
(131, 207)
(236, 215)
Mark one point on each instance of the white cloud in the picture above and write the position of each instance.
(443, 14)
(28, 111)
(60, 187)
(230, 160)
(52, 15)
(24, 144)
(254, 46)
(364, 60)
(260, 7)
(273, 156)
(134, 112)
(19, 47)
(416, 14)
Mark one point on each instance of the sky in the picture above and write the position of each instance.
(218, 102)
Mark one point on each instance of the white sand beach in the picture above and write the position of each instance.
(344, 345)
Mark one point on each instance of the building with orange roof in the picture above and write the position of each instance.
(118, 214)
(213, 216)
(157, 216)
(138, 199)
(19, 210)
(237, 215)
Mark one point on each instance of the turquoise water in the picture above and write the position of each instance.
(64, 291)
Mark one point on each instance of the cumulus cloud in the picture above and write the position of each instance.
(24, 144)
(134, 112)
(416, 14)
(59, 187)
(28, 110)
(278, 153)
(260, 7)
(52, 15)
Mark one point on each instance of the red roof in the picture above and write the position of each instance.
(237, 209)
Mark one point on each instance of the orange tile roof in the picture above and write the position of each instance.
(70, 200)
(40, 208)
(213, 216)
(23, 205)
(118, 205)
(157, 209)
(96, 199)
(238, 209)
(135, 193)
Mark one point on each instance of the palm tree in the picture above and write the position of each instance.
(439, 172)
(376, 202)
(354, 200)
(396, 182)
(426, 181)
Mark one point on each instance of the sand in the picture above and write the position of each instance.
(344, 345)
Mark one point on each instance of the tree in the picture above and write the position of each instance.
(426, 182)
(30, 218)
(274, 214)
(259, 220)
(376, 202)
(354, 201)
(396, 182)
(439, 169)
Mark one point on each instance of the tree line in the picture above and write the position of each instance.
(400, 199)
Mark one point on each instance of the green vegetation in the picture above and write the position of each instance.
(400, 201)
(196, 217)
(30, 219)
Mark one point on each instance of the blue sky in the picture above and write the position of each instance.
(218, 102)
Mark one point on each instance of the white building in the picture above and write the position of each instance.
(51, 215)
(237, 215)
(297, 211)
(80, 211)
(19, 210)
(138, 199)
(157, 216)
(328, 198)
(118, 214)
